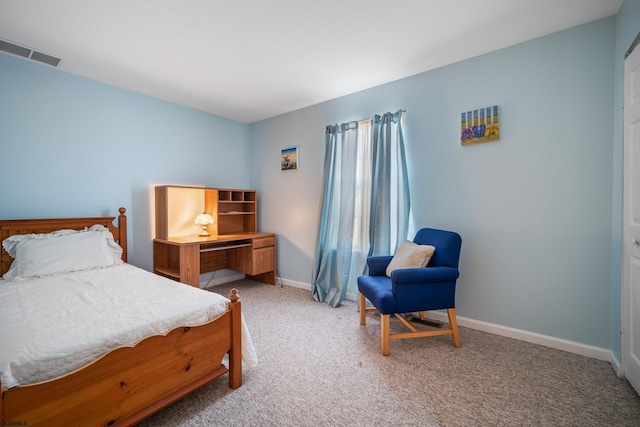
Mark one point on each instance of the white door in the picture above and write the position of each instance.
(631, 226)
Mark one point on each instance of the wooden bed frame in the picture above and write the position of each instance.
(127, 384)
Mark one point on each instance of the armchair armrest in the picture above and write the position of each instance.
(408, 276)
(378, 265)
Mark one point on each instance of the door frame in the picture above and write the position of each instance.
(627, 240)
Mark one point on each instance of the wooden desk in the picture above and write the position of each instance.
(184, 258)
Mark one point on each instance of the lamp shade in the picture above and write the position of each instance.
(204, 219)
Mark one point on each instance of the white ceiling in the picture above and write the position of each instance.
(249, 60)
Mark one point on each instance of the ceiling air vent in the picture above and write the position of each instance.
(25, 52)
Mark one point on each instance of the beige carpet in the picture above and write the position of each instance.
(319, 367)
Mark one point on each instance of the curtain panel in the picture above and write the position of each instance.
(390, 199)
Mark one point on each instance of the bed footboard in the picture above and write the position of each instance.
(129, 384)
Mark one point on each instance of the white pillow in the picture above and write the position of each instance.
(61, 252)
(410, 255)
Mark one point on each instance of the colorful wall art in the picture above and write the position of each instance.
(480, 125)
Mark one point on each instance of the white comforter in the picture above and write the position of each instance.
(53, 325)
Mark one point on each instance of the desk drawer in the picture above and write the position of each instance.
(263, 260)
(264, 242)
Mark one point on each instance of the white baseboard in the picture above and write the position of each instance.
(526, 336)
(617, 365)
(505, 331)
(294, 284)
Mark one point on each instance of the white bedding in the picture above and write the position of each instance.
(53, 325)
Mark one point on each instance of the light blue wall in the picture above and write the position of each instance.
(534, 209)
(73, 147)
(627, 29)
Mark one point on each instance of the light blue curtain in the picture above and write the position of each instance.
(331, 269)
(390, 199)
(336, 267)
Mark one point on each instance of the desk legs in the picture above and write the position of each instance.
(190, 265)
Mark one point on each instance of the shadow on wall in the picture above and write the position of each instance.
(297, 260)
(141, 226)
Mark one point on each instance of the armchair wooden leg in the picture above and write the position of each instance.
(363, 309)
(453, 322)
(384, 333)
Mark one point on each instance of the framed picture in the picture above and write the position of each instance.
(289, 159)
(480, 125)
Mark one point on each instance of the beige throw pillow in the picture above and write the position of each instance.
(410, 255)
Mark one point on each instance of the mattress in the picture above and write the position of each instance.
(53, 325)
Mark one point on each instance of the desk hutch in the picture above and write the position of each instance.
(179, 253)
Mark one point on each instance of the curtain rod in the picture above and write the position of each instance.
(402, 111)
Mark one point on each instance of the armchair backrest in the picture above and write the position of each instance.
(447, 244)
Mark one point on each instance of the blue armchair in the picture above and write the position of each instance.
(410, 290)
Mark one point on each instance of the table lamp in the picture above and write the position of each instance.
(204, 219)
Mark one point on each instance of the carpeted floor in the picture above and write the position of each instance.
(319, 367)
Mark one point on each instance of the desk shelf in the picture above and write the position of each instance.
(170, 273)
(225, 195)
(234, 211)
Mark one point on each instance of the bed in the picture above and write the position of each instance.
(140, 369)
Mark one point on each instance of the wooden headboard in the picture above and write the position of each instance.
(9, 227)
